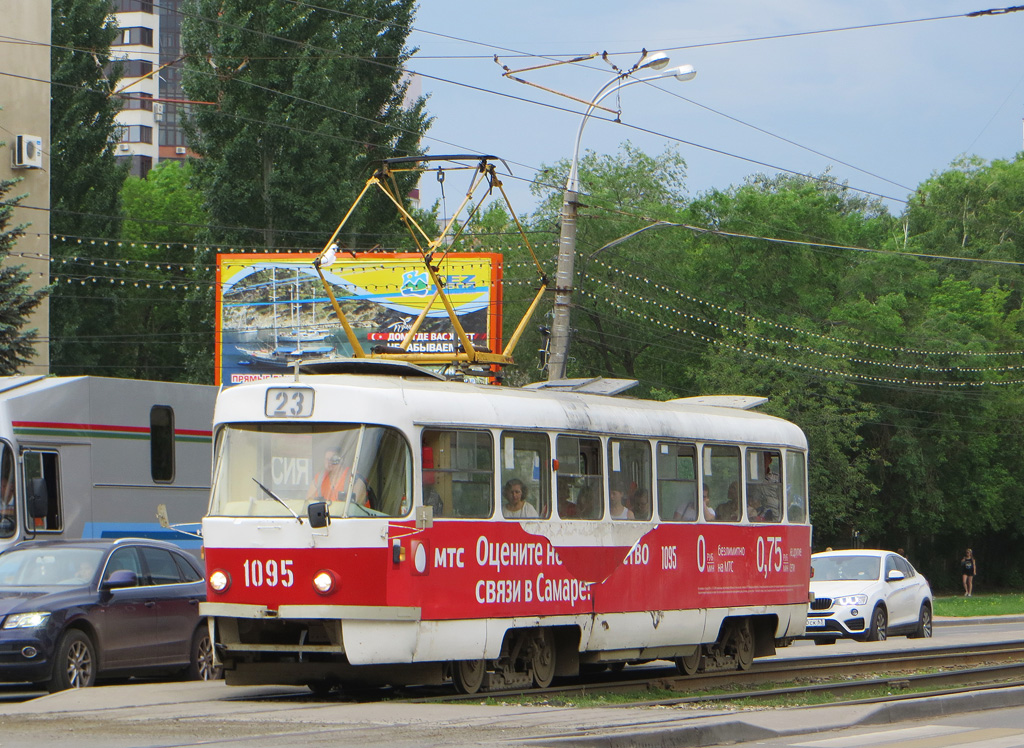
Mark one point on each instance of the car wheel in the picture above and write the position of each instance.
(879, 626)
(201, 664)
(75, 664)
(924, 623)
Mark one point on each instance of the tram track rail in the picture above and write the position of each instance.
(979, 666)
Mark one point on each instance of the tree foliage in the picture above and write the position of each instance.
(85, 179)
(17, 300)
(899, 368)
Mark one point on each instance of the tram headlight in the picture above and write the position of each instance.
(851, 600)
(220, 580)
(324, 582)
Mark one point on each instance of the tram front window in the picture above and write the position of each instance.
(277, 470)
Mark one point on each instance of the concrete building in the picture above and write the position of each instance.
(150, 47)
(25, 130)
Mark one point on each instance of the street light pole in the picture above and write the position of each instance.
(559, 347)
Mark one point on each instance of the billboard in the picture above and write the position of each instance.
(272, 309)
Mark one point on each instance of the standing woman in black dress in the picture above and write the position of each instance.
(969, 567)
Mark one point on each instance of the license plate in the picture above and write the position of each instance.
(813, 623)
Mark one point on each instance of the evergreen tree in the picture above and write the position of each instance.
(17, 301)
(85, 179)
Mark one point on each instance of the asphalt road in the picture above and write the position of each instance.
(161, 715)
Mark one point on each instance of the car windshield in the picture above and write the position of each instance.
(840, 568)
(44, 567)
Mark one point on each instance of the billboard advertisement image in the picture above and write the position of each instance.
(273, 309)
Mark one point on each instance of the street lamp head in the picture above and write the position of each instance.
(653, 61)
(684, 73)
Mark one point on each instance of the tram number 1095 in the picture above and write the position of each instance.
(268, 573)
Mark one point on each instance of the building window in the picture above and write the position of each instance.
(136, 35)
(136, 134)
(133, 6)
(137, 101)
(139, 165)
(133, 68)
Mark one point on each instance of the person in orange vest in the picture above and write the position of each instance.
(329, 483)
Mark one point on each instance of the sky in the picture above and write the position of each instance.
(882, 108)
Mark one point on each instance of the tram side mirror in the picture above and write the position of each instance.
(319, 515)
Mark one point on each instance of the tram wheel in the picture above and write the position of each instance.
(690, 664)
(468, 675)
(740, 640)
(543, 660)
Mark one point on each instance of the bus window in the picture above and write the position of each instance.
(629, 473)
(462, 473)
(796, 487)
(764, 485)
(42, 491)
(721, 467)
(8, 506)
(677, 482)
(580, 480)
(161, 443)
(525, 458)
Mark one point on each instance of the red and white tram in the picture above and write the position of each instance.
(394, 528)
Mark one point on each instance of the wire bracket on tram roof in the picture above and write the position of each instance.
(434, 252)
(595, 386)
(742, 402)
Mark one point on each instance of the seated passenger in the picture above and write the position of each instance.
(616, 509)
(730, 511)
(516, 506)
(641, 504)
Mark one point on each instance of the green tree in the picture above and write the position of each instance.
(85, 179)
(306, 97)
(150, 324)
(17, 301)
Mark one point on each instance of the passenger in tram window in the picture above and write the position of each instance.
(641, 504)
(730, 511)
(709, 512)
(616, 509)
(516, 506)
(566, 506)
(586, 506)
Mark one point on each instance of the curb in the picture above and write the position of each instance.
(966, 621)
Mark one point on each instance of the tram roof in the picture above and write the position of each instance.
(405, 401)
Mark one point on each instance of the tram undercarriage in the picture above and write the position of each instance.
(312, 653)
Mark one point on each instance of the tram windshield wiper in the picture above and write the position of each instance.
(278, 499)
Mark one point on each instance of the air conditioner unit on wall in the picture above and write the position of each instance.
(181, 150)
(28, 152)
(123, 147)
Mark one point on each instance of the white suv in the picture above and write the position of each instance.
(867, 595)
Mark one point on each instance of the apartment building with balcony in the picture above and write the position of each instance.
(149, 48)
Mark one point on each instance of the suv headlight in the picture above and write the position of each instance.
(851, 600)
(26, 620)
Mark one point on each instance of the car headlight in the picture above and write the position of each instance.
(851, 600)
(26, 620)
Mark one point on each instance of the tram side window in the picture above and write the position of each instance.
(459, 481)
(580, 479)
(42, 491)
(677, 482)
(525, 460)
(629, 479)
(796, 487)
(764, 485)
(722, 477)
